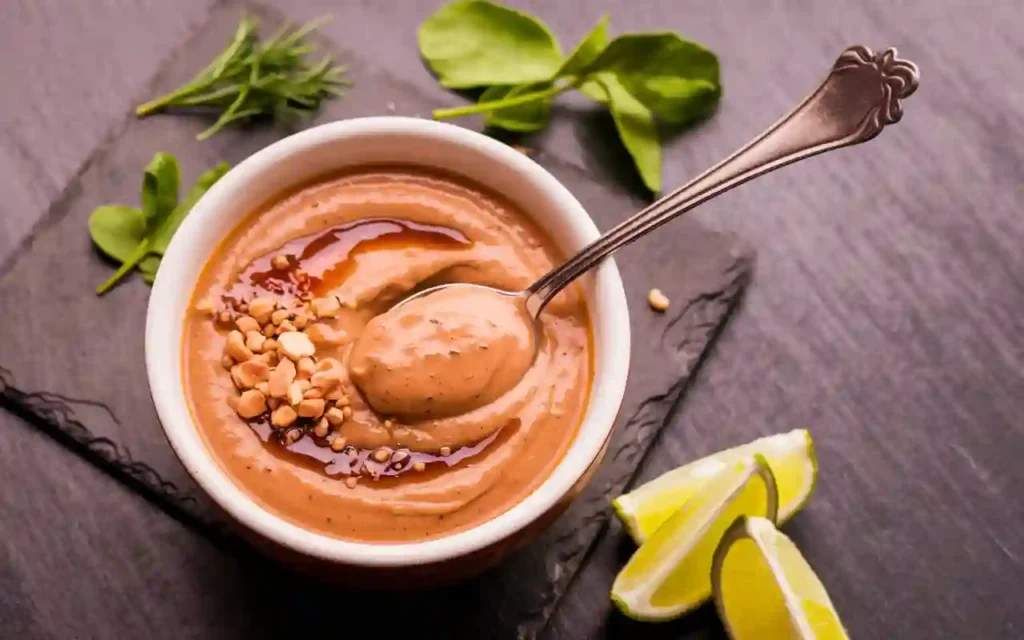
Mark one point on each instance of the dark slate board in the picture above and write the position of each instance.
(71, 363)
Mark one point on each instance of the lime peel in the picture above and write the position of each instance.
(791, 457)
(670, 573)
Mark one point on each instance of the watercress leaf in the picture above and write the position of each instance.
(636, 127)
(675, 78)
(165, 230)
(524, 118)
(159, 188)
(474, 43)
(589, 48)
(117, 230)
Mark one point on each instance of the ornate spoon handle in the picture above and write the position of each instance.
(859, 97)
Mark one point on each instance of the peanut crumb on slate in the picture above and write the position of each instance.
(657, 300)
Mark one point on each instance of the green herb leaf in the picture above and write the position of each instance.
(137, 238)
(159, 188)
(117, 230)
(475, 43)
(131, 261)
(250, 79)
(587, 51)
(524, 118)
(148, 267)
(675, 78)
(636, 127)
(165, 231)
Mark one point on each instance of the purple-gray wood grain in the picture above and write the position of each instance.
(885, 315)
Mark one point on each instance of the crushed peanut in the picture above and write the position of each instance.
(419, 466)
(281, 377)
(269, 330)
(286, 326)
(382, 455)
(328, 374)
(446, 451)
(312, 394)
(261, 308)
(335, 416)
(295, 345)
(251, 404)
(326, 307)
(399, 457)
(323, 335)
(311, 408)
(321, 428)
(205, 307)
(249, 373)
(351, 482)
(270, 345)
(254, 341)
(293, 436)
(246, 324)
(226, 361)
(280, 316)
(338, 444)
(300, 321)
(294, 394)
(306, 367)
(279, 261)
(236, 347)
(263, 387)
(657, 300)
(224, 317)
(348, 412)
(338, 395)
(283, 416)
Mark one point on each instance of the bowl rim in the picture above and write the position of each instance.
(608, 309)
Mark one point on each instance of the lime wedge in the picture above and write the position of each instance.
(671, 572)
(765, 589)
(790, 456)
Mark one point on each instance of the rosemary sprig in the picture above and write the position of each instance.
(251, 79)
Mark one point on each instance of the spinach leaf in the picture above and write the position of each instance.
(524, 118)
(587, 51)
(636, 127)
(138, 237)
(165, 231)
(675, 78)
(117, 230)
(159, 188)
(475, 43)
(148, 267)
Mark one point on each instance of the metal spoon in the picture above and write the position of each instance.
(860, 96)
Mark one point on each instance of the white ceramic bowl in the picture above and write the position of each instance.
(322, 150)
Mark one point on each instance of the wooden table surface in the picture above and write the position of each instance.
(886, 314)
